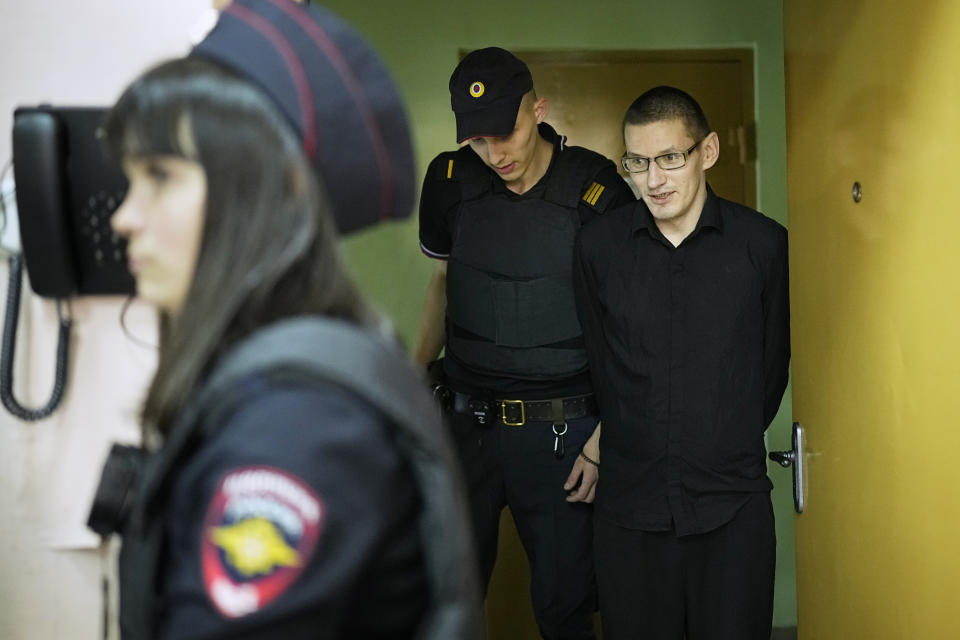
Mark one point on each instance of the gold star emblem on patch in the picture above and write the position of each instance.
(254, 546)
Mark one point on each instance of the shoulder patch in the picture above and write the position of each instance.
(260, 531)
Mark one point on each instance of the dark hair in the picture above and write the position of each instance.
(269, 246)
(668, 103)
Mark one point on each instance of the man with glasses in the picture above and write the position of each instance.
(500, 216)
(683, 298)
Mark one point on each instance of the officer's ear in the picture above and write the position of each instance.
(540, 108)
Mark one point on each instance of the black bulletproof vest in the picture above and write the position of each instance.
(510, 302)
(376, 371)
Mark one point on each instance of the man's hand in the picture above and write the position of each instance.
(584, 472)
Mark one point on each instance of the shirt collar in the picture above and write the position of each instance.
(550, 134)
(709, 217)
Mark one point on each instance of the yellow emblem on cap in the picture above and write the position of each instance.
(476, 89)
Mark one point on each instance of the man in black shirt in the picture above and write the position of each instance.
(683, 299)
(501, 215)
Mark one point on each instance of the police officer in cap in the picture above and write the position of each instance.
(500, 215)
(293, 484)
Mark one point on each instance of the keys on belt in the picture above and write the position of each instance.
(516, 413)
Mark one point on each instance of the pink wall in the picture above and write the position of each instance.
(76, 52)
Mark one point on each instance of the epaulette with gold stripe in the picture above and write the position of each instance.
(456, 165)
(593, 193)
(597, 196)
(445, 166)
(464, 168)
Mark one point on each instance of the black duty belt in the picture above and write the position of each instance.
(516, 413)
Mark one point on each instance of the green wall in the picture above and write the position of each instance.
(420, 40)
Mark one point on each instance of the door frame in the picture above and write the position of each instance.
(743, 56)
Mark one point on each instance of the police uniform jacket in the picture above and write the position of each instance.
(292, 513)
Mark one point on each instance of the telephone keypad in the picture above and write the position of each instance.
(107, 246)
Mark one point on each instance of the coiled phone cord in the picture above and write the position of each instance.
(9, 347)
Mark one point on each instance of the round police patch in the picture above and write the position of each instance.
(260, 531)
(477, 89)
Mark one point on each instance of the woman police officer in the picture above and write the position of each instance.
(284, 494)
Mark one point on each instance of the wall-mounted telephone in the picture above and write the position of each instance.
(67, 189)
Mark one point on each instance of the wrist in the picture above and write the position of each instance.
(592, 448)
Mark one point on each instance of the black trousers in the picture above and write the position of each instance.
(516, 467)
(711, 586)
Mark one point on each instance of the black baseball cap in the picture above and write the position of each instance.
(336, 93)
(486, 89)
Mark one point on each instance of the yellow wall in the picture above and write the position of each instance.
(873, 89)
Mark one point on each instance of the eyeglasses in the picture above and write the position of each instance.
(673, 160)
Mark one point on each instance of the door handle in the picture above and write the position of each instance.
(783, 458)
(794, 458)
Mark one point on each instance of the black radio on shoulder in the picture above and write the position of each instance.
(118, 485)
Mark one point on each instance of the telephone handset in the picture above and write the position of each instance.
(67, 189)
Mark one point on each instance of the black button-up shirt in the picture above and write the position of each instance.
(689, 350)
